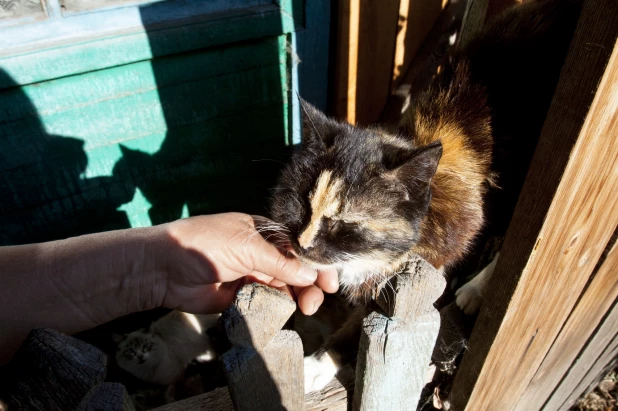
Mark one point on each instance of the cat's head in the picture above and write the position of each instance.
(139, 352)
(353, 198)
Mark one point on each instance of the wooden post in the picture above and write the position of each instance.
(52, 370)
(264, 368)
(395, 350)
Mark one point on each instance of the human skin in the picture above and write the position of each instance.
(194, 265)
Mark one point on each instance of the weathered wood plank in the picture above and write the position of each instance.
(271, 379)
(216, 400)
(51, 370)
(416, 19)
(395, 351)
(600, 351)
(334, 397)
(108, 396)
(264, 368)
(566, 213)
(392, 361)
(77, 92)
(411, 295)
(365, 42)
(595, 302)
(68, 58)
(257, 315)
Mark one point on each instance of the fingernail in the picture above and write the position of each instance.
(307, 275)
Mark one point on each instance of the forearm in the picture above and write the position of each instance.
(79, 283)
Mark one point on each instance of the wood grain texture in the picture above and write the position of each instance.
(593, 305)
(411, 294)
(257, 315)
(565, 215)
(109, 396)
(271, 379)
(395, 351)
(590, 366)
(365, 44)
(393, 358)
(53, 60)
(416, 19)
(51, 371)
(333, 397)
(216, 400)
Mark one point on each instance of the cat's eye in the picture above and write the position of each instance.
(130, 352)
(332, 224)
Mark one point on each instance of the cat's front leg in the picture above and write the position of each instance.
(470, 295)
(320, 369)
(341, 348)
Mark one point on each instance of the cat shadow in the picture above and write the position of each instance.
(44, 194)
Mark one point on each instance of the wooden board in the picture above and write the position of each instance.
(416, 19)
(590, 366)
(566, 213)
(364, 53)
(592, 307)
(63, 47)
(143, 143)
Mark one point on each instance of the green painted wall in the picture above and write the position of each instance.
(202, 128)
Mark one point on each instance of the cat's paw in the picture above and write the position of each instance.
(469, 298)
(318, 372)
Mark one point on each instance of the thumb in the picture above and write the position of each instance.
(271, 261)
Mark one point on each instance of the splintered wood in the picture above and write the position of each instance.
(264, 368)
(395, 349)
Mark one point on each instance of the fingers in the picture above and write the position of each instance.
(309, 299)
(288, 269)
(328, 280)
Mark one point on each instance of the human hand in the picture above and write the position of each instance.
(208, 258)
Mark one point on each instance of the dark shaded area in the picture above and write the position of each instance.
(43, 195)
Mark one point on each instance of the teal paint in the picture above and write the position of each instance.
(99, 135)
(137, 210)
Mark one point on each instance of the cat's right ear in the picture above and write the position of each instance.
(118, 338)
(318, 130)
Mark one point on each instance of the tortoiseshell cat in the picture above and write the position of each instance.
(362, 200)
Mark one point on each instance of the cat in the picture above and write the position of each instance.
(161, 353)
(363, 200)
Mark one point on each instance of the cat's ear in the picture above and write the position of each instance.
(318, 130)
(118, 338)
(418, 166)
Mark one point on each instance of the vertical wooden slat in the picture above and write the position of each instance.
(590, 365)
(396, 343)
(365, 45)
(416, 18)
(595, 302)
(567, 211)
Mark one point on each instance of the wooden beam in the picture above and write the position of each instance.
(365, 46)
(595, 302)
(416, 19)
(591, 364)
(395, 349)
(567, 211)
(264, 368)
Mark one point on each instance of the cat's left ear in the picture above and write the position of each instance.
(420, 165)
(318, 130)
